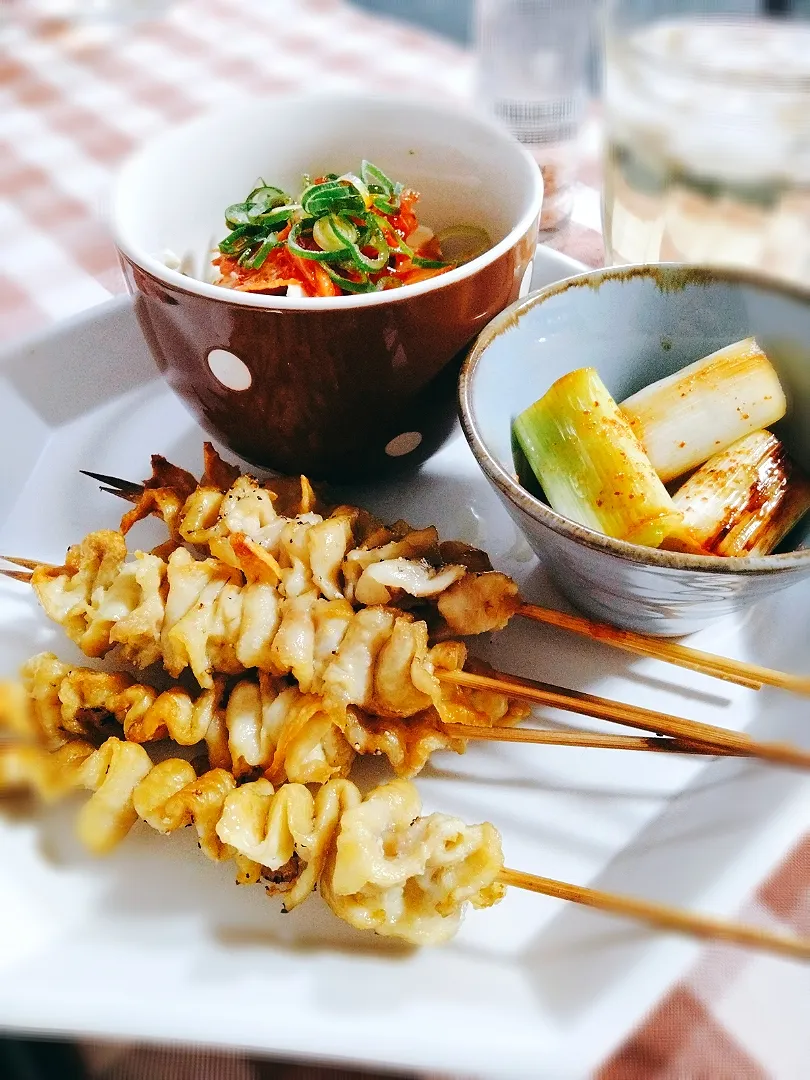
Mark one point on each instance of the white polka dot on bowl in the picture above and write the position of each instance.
(403, 444)
(228, 369)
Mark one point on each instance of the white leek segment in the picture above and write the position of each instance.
(681, 421)
(745, 500)
(590, 465)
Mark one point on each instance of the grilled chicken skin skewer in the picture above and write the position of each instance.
(377, 861)
(394, 565)
(343, 552)
(214, 619)
(253, 725)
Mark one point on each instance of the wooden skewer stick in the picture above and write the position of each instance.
(720, 667)
(17, 575)
(661, 915)
(125, 489)
(21, 575)
(543, 737)
(559, 697)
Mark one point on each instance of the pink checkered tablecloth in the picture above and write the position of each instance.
(75, 100)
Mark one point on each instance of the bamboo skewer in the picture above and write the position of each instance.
(17, 575)
(29, 564)
(114, 485)
(629, 715)
(588, 739)
(662, 916)
(752, 676)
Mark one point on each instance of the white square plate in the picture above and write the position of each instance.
(156, 943)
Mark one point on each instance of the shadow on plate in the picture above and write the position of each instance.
(106, 342)
(702, 836)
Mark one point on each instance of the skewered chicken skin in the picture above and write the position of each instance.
(256, 725)
(343, 552)
(377, 862)
(214, 618)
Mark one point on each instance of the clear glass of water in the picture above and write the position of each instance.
(708, 135)
(532, 75)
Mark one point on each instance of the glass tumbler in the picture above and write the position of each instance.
(532, 75)
(707, 115)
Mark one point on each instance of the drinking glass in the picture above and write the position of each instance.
(532, 75)
(707, 109)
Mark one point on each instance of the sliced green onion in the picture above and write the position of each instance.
(333, 195)
(267, 196)
(683, 420)
(372, 175)
(334, 233)
(366, 263)
(590, 465)
(316, 255)
(359, 187)
(385, 206)
(318, 191)
(279, 215)
(324, 187)
(237, 214)
(236, 240)
(261, 255)
(349, 284)
(346, 229)
(417, 260)
(403, 248)
(429, 264)
(341, 220)
(348, 204)
(461, 243)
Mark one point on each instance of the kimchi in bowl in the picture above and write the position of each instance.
(344, 386)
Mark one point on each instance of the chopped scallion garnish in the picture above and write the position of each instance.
(263, 252)
(334, 233)
(372, 175)
(352, 225)
(316, 254)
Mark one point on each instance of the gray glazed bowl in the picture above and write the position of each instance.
(635, 325)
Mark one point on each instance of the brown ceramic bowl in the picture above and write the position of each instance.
(340, 387)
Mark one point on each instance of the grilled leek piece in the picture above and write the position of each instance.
(685, 419)
(591, 466)
(745, 500)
